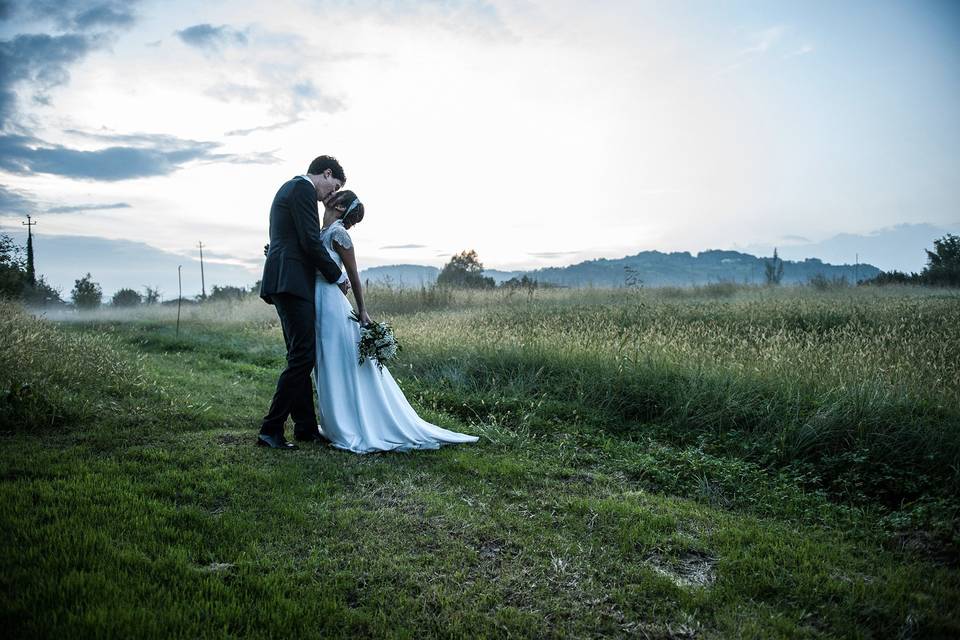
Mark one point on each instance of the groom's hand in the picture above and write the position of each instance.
(345, 287)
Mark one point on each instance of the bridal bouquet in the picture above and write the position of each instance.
(377, 342)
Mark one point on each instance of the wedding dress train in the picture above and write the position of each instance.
(361, 408)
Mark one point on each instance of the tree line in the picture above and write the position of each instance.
(942, 269)
(464, 270)
(18, 282)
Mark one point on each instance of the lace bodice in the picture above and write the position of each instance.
(336, 232)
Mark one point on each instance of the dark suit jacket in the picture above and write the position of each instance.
(296, 252)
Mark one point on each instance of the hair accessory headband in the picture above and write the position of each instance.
(353, 204)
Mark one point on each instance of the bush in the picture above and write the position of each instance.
(892, 277)
(13, 277)
(86, 294)
(15, 283)
(126, 298)
(465, 270)
(227, 294)
(821, 282)
(151, 295)
(42, 294)
(943, 263)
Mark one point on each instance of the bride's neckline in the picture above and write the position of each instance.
(329, 226)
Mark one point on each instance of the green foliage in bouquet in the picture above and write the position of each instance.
(377, 342)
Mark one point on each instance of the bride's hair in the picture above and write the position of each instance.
(345, 199)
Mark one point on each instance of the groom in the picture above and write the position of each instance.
(295, 254)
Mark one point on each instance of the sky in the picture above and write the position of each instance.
(537, 133)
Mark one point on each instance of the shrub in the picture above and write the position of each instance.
(42, 294)
(151, 295)
(126, 298)
(892, 277)
(13, 276)
(86, 294)
(465, 270)
(821, 282)
(943, 263)
(227, 294)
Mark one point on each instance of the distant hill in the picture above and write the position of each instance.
(654, 268)
(502, 276)
(658, 269)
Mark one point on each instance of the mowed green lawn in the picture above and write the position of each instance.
(707, 464)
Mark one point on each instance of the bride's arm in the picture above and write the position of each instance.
(350, 265)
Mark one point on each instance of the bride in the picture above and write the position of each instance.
(361, 408)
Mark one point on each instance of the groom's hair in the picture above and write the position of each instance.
(322, 163)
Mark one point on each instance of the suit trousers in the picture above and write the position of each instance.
(294, 394)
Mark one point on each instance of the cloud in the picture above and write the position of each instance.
(104, 15)
(40, 59)
(18, 203)
(469, 17)
(210, 38)
(763, 41)
(109, 136)
(173, 145)
(760, 42)
(803, 50)
(269, 127)
(405, 246)
(553, 254)
(288, 100)
(156, 156)
(230, 92)
(79, 15)
(306, 97)
(13, 202)
(88, 207)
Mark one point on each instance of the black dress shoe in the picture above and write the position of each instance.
(274, 442)
(308, 436)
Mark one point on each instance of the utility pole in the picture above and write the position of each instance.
(856, 270)
(203, 283)
(179, 296)
(31, 273)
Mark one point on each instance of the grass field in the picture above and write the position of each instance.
(707, 463)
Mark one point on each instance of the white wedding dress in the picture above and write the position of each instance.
(361, 409)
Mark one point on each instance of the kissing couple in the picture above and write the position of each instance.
(310, 269)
